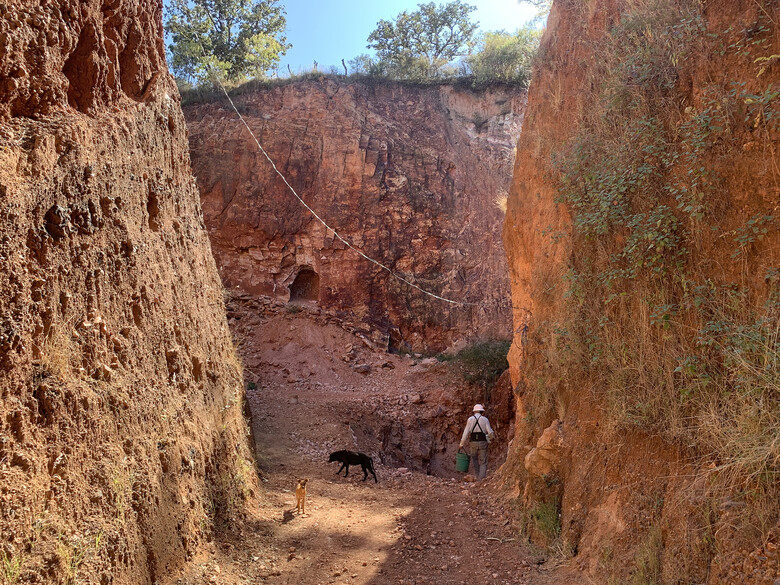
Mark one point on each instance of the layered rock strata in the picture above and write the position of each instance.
(121, 430)
(412, 176)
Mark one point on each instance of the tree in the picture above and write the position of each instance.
(418, 44)
(232, 39)
(506, 57)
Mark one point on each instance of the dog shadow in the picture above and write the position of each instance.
(287, 516)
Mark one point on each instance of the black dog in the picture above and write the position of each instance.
(348, 458)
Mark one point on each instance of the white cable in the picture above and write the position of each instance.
(323, 222)
(314, 213)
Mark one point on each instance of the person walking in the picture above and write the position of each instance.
(477, 435)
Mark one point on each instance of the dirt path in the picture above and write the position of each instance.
(409, 528)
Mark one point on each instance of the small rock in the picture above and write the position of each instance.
(363, 369)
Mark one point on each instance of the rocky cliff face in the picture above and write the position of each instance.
(121, 430)
(411, 176)
(642, 236)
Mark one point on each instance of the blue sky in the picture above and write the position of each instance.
(329, 30)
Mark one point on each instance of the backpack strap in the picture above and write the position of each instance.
(478, 436)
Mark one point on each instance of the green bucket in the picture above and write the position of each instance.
(461, 462)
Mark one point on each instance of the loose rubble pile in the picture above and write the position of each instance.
(405, 410)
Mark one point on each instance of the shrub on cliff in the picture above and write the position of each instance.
(482, 363)
(504, 57)
(229, 39)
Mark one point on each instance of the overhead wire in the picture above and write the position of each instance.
(311, 210)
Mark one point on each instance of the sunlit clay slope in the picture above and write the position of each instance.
(642, 237)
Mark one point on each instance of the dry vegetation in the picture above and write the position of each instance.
(672, 312)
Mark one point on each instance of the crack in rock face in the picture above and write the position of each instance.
(402, 173)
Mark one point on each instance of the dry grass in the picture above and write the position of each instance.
(57, 352)
(648, 559)
(500, 201)
(740, 423)
(707, 379)
(11, 567)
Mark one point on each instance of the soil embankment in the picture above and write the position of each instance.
(412, 176)
(643, 244)
(121, 431)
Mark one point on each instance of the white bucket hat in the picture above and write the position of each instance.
(479, 408)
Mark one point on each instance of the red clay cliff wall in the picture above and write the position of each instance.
(120, 410)
(640, 491)
(409, 175)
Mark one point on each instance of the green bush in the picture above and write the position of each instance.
(482, 363)
(504, 57)
(547, 520)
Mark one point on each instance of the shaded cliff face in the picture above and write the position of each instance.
(642, 236)
(120, 420)
(408, 175)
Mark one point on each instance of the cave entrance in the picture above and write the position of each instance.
(306, 286)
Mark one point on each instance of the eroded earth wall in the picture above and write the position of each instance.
(121, 433)
(413, 176)
(642, 235)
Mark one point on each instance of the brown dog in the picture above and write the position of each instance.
(300, 496)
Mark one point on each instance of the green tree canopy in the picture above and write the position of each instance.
(419, 44)
(240, 38)
(502, 56)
